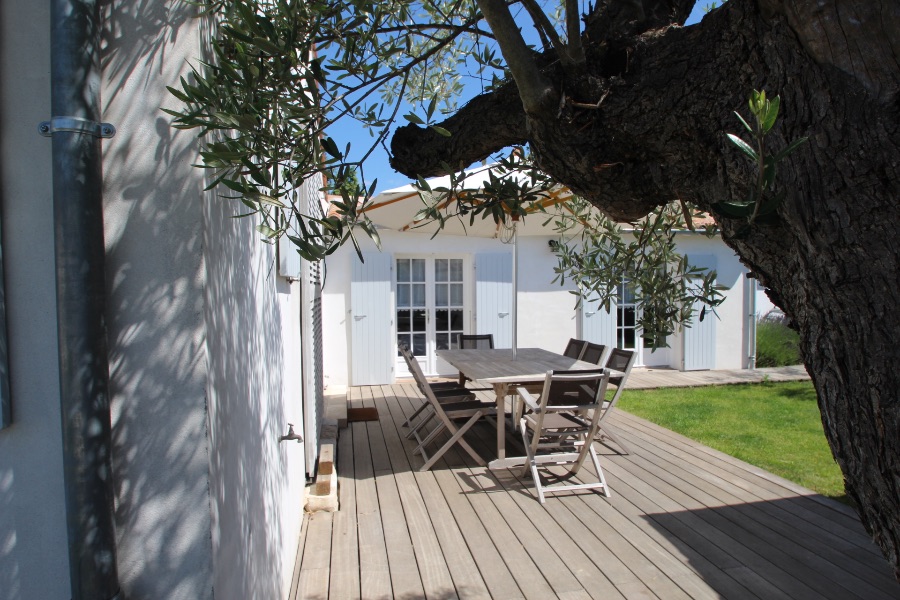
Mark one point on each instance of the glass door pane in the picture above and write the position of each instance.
(626, 329)
(412, 315)
(448, 301)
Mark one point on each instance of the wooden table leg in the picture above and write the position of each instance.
(501, 390)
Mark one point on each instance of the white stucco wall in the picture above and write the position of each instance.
(547, 311)
(156, 279)
(256, 483)
(33, 545)
(204, 339)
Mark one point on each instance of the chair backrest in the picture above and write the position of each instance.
(593, 353)
(413, 365)
(619, 364)
(484, 341)
(574, 390)
(574, 348)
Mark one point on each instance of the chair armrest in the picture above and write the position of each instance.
(527, 398)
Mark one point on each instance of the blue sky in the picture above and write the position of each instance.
(377, 165)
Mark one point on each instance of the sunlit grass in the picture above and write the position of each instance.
(775, 426)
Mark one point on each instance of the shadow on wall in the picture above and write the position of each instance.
(154, 310)
(195, 340)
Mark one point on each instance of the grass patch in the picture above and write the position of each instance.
(775, 426)
(777, 345)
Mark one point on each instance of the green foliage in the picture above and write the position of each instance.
(775, 426)
(281, 74)
(342, 180)
(761, 199)
(600, 257)
(777, 345)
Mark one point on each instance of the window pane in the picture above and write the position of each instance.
(456, 271)
(456, 320)
(454, 341)
(402, 269)
(402, 294)
(419, 344)
(440, 294)
(418, 294)
(440, 269)
(418, 269)
(418, 320)
(441, 322)
(441, 341)
(456, 294)
(628, 317)
(402, 320)
(629, 338)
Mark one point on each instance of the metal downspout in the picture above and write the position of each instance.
(81, 294)
(751, 324)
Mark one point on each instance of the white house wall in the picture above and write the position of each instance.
(546, 310)
(155, 277)
(547, 315)
(204, 338)
(256, 483)
(33, 557)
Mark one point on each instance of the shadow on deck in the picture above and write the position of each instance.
(684, 521)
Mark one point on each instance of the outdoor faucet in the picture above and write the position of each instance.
(291, 435)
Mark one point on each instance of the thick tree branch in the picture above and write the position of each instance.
(534, 89)
(486, 124)
(573, 33)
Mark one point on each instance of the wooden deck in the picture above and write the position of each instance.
(684, 521)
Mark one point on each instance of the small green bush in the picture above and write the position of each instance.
(777, 345)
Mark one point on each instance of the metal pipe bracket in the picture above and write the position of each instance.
(76, 125)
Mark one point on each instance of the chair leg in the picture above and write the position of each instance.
(422, 422)
(409, 420)
(596, 460)
(456, 437)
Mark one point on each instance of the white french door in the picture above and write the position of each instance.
(431, 310)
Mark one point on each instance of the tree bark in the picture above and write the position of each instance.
(665, 99)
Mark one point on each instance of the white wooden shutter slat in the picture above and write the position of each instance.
(371, 308)
(700, 338)
(493, 297)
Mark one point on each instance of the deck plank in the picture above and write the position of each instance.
(345, 570)
(374, 575)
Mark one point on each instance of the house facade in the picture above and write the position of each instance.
(213, 340)
(425, 290)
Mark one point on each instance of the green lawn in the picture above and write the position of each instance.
(775, 426)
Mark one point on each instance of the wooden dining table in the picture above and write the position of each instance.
(498, 368)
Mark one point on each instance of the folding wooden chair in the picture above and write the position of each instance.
(558, 427)
(574, 348)
(481, 341)
(619, 366)
(447, 412)
(446, 391)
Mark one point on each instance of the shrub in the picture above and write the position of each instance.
(776, 345)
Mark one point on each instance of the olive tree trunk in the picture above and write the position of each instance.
(645, 124)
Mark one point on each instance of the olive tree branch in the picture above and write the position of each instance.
(534, 89)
